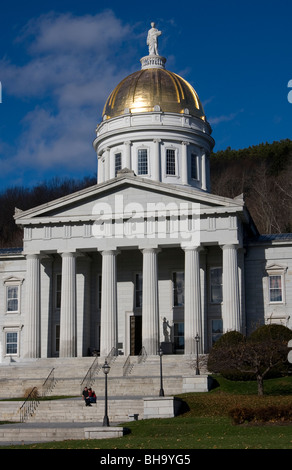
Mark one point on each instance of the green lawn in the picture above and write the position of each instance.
(205, 425)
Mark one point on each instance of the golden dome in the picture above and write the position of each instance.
(141, 91)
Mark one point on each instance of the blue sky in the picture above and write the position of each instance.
(59, 61)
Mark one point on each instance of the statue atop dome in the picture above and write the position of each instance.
(152, 39)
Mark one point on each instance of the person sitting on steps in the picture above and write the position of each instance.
(86, 397)
(92, 395)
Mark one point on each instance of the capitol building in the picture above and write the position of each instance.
(148, 257)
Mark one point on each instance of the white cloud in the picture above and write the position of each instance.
(71, 65)
(223, 118)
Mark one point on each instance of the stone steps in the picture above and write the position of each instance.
(33, 433)
(72, 411)
(70, 372)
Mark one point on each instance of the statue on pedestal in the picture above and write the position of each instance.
(152, 40)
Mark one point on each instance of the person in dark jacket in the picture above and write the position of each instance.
(85, 396)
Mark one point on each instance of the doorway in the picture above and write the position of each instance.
(135, 334)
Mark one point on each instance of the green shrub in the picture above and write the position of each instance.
(231, 338)
(274, 332)
(221, 353)
(264, 414)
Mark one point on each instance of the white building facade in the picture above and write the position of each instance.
(148, 256)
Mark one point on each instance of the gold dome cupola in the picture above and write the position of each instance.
(153, 88)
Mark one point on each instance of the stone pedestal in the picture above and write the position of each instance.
(167, 347)
(103, 432)
(197, 383)
(161, 407)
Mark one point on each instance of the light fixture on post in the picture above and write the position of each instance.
(161, 393)
(106, 369)
(197, 338)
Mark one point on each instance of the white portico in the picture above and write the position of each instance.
(104, 241)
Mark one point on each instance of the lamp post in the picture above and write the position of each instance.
(197, 338)
(161, 393)
(106, 369)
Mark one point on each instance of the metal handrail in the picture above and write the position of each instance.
(126, 366)
(89, 374)
(29, 406)
(112, 355)
(49, 382)
(142, 355)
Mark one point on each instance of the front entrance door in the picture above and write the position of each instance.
(135, 335)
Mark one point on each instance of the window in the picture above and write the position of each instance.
(178, 282)
(194, 166)
(216, 296)
(57, 338)
(11, 342)
(118, 163)
(142, 162)
(58, 290)
(138, 290)
(275, 287)
(170, 162)
(217, 330)
(12, 293)
(178, 337)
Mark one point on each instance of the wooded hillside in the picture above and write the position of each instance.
(262, 173)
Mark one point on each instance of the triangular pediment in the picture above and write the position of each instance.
(126, 191)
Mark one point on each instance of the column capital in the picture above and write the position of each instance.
(150, 249)
(156, 140)
(127, 142)
(113, 252)
(68, 254)
(33, 255)
(187, 247)
(184, 142)
(227, 246)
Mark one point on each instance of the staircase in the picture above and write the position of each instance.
(67, 418)
(142, 379)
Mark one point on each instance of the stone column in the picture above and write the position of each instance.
(156, 162)
(68, 306)
(231, 300)
(106, 164)
(127, 161)
(108, 317)
(112, 164)
(192, 309)
(32, 348)
(203, 171)
(100, 169)
(150, 310)
(184, 163)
